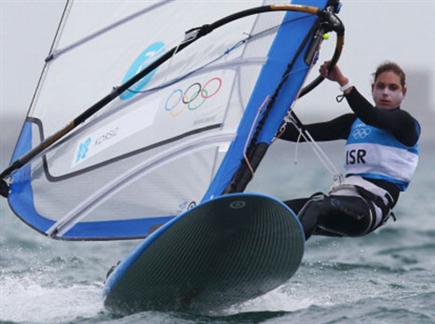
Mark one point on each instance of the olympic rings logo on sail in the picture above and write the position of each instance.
(361, 133)
(193, 97)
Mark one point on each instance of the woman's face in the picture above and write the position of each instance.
(387, 91)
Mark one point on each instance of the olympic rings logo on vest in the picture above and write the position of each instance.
(361, 132)
(192, 97)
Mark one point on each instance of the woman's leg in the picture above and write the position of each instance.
(334, 215)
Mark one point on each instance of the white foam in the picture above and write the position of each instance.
(31, 299)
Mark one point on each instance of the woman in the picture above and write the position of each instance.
(381, 157)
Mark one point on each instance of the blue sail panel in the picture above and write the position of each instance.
(289, 38)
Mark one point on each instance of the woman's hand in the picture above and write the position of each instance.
(334, 74)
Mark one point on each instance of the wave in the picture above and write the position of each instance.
(368, 310)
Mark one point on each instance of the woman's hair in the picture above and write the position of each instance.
(393, 67)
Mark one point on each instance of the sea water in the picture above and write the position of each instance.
(385, 277)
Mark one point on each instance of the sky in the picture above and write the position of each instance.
(376, 31)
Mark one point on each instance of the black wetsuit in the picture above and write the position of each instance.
(396, 121)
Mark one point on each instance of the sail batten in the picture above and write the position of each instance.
(55, 54)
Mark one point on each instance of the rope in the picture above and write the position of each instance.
(320, 153)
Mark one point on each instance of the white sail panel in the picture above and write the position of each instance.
(177, 114)
(79, 78)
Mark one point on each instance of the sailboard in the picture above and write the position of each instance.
(136, 121)
(222, 252)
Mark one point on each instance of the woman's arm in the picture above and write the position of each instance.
(334, 129)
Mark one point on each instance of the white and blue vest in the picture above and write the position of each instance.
(374, 153)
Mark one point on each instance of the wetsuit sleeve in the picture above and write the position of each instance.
(398, 122)
(337, 128)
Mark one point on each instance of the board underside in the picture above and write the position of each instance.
(220, 253)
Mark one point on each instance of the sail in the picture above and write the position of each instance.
(177, 137)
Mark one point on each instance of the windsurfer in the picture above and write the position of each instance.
(381, 157)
